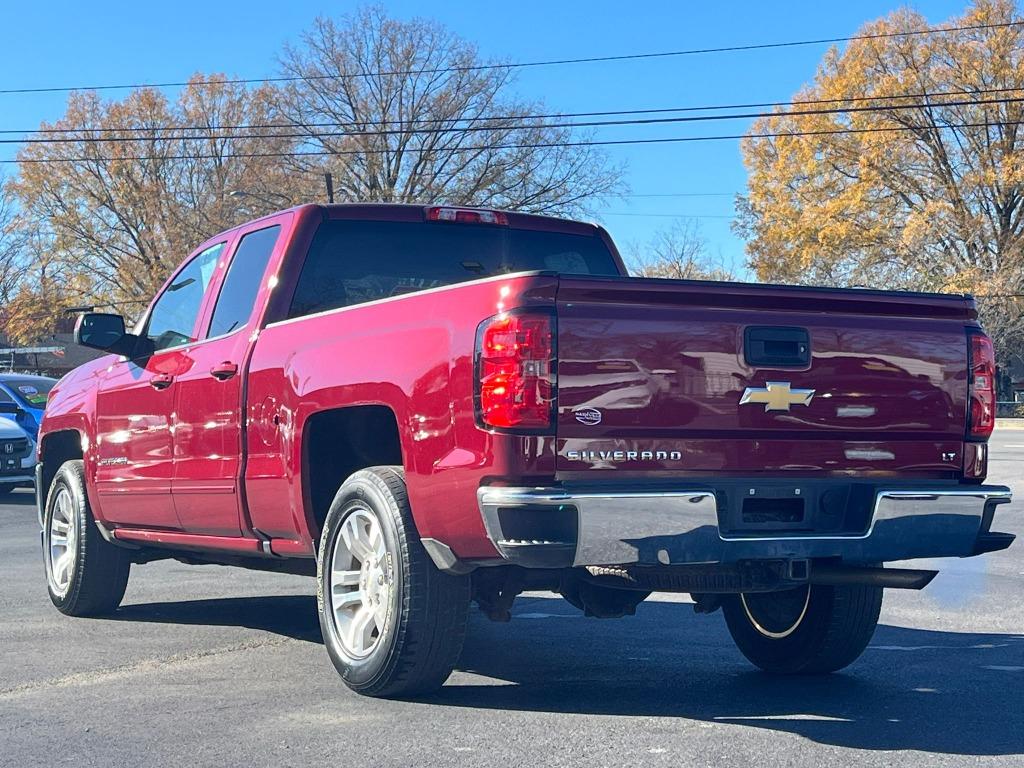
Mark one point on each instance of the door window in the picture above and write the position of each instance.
(242, 282)
(174, 315)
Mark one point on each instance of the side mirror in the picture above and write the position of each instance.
(105, 332)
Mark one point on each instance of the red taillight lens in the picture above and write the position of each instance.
(467, 216)
(982, 416)
(516, 371)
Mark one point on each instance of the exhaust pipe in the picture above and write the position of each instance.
(891, 578)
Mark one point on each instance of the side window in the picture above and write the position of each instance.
(5, 397)
(174, 315)
(242, 282)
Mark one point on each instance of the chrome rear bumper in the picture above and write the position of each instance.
(551, 527)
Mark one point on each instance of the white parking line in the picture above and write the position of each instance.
(795, 716)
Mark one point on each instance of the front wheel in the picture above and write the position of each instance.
(393, 624)
(807, 630)
(85, 574)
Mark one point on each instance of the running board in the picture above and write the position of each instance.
(261, 547)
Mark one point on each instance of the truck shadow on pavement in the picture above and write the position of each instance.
(934, 691)
(944, 692)
(293, 616)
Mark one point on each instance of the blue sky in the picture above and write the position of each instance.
(72, 43)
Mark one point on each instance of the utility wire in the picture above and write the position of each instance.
(682, 194)
(533, 145)
(522, 64)
(407, 124)
(668, 215)
(526, 127)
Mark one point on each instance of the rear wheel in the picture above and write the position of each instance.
(85, 574)
(393, 624)
(807, 630)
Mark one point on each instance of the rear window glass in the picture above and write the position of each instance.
(351, 262)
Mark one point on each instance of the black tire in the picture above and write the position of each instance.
(6, 488)
(427, 614)
(98, 575)
(831, 631)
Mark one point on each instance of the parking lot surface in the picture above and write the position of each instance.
(210, 665)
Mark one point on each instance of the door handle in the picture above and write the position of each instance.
(224, 371)
(161, 381)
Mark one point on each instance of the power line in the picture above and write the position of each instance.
(683, 194)
(668, 215)
(407, 124)
(521, 64)
(524, 127)
(533, 145)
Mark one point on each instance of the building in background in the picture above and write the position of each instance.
(54, 355)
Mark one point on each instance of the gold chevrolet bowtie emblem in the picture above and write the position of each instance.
(777, 396)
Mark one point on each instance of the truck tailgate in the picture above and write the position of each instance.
(652, 375)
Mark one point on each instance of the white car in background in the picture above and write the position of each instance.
(17, 456)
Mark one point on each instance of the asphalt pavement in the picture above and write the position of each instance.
(207, 665)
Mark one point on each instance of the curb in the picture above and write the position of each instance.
(1009, 423)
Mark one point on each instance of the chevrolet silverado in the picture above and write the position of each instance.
(427, 406)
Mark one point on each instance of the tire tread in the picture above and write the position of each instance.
(431, 654)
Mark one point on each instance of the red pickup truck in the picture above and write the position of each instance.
(428, 406)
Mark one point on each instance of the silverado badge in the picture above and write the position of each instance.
(776, 396)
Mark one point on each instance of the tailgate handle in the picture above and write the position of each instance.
(777, 347)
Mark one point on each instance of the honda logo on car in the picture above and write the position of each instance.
(8, 447)
(624, 455)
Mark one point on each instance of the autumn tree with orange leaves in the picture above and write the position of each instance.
(116, 193)
(920, 185)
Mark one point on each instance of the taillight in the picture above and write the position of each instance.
(515, 371)
(467, 216)
(982, 413)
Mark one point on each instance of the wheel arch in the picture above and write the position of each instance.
(55, 448)
(339, 441)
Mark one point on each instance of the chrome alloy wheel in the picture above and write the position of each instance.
(360, 583)
(62, 541)
(777, 614)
